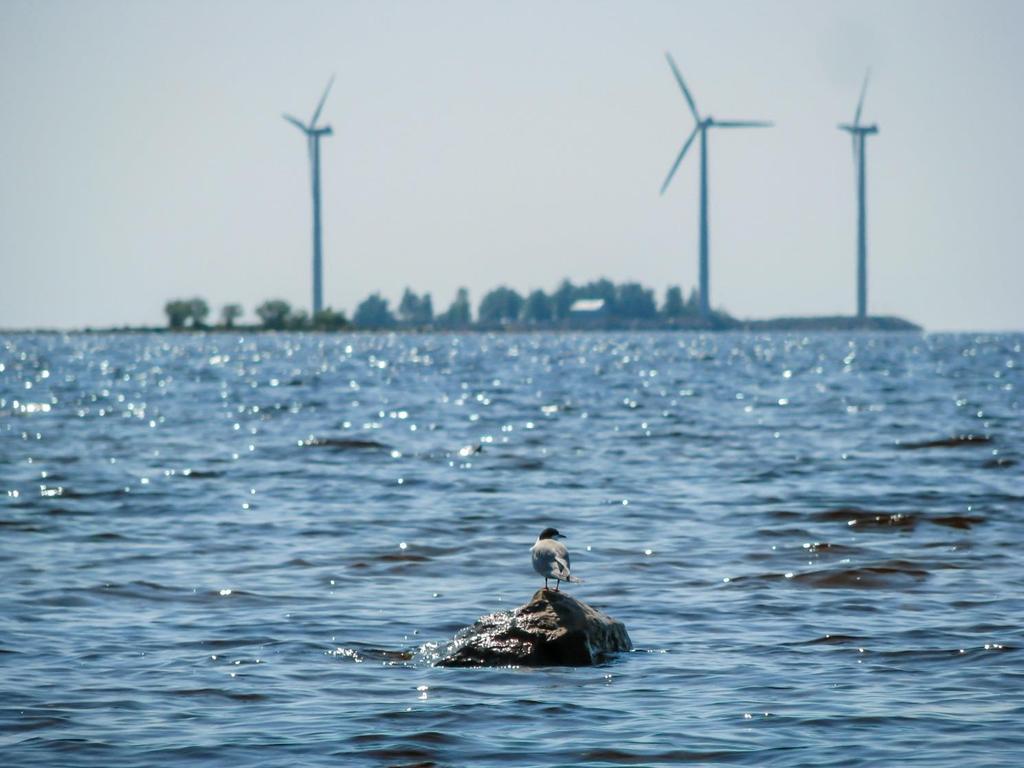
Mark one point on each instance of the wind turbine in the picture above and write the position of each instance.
(858, 133)
(702, 128)
(313, 134)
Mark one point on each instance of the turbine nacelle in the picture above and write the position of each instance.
(712, 123)
(311, 132)
(862, 129)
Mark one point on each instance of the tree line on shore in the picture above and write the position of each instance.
(609, 305)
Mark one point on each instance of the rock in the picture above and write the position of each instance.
(948, 442)
(553, 629)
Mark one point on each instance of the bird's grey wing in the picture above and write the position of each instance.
(561, 558)
(561, 568)
(543, 559)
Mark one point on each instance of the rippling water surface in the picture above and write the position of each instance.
(248, 550)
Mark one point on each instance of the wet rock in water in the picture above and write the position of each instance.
(343, 444)
(948, 442)
(864, 519)
(553, 629)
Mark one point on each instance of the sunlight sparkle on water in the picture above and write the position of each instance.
(714, 483)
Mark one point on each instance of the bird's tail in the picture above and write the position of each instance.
(575, 580)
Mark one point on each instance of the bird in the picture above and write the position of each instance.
(551, 558)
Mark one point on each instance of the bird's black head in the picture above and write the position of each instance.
(550, 533)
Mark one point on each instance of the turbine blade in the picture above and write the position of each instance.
(682, 84)
(741, 124)
(320, 106)
(852, 130)
(679, 159)
(296, 122)
(860, 102)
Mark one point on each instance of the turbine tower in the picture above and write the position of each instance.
(703, 123)
(858, 133)
(313, 134)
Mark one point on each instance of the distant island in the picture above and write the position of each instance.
(831, 323)
(597, 305)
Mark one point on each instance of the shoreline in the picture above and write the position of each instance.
(817, 324)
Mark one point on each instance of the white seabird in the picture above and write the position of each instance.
(551, 558)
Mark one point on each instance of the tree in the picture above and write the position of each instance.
(177, 312)
(674, 305)
(373, 313)
(274, 313)
(229, 313)
(329, 320)
(562, 299)
(537, 308)
(198, 310)
(635, 302)
(458, 315)
(409, 306)
(693, 303)
(502, 305)
(416, 310)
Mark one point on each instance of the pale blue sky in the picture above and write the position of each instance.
(144, 156)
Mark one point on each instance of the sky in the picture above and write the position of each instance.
(143, 156)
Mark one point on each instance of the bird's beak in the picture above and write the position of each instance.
(560, 536)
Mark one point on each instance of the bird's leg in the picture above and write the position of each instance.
(557, 582)
(545, 582)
